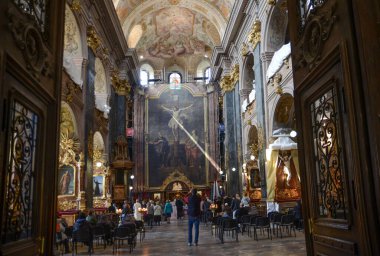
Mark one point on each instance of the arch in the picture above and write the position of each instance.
(248, 74)
(73, 47)
(150, 73)
(101, 88)
(253, 137)
(276, 29)
(68, 124)
(283, 116)
(201, 69)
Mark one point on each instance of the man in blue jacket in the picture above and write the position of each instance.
(194, 213)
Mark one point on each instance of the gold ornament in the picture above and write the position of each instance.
(121, 86)
(93, 39)
(254, 36)
(68, 147)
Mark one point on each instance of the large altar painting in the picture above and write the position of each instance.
(175, 136)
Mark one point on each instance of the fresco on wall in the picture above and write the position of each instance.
(175, 129)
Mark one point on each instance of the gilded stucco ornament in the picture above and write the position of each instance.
(256, 147)
(226, 84)
(121, 86)
(75, 5)
(69, 146)
(97, 154)
(254, 36)
(93, 39)
(176, 176)
(66, 205)
(244, 50)
(271, 2)
(235, 74)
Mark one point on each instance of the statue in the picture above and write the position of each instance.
(177, 186)
(176, 119)
(286, 173)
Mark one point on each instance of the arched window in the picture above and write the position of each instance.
(175, 80)
(144, 76)
(207, 75)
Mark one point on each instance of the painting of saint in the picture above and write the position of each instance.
(98, 185)
(66, 180)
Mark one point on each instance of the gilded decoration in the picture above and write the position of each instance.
(235, 74)
(255, 194)
(256, 147)
(66, 205)
(121, 86)
(244, 50)
(75, 5)
(69, 146)
(271, 2)
(254, 36)
(176, 176)
(226, 84)
(71, 90)
(101, 120)
(93, 39)
(97, 154)
(99, 203)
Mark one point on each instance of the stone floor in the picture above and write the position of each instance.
(171, 239)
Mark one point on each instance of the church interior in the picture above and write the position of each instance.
(105, 102)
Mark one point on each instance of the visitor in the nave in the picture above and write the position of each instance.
(193, 213)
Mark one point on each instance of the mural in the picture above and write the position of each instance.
(175, 133)
(66, 177)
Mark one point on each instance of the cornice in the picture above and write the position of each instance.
(236, 18)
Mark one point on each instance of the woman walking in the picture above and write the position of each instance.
(168, 209)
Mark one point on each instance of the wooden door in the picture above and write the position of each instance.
(329, 111)
(30, 77)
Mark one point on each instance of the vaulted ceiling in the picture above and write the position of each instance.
(168, 32)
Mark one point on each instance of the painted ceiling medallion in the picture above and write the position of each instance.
(174, 2)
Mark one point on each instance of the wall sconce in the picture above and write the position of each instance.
(253, 157)
(132, 177)
(98, 164)
(130, 187)
(233, 169)
(293, 134)
(221, 172)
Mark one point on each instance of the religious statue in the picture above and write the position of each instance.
(176, 119)
(286, 173)
(97, 188)
(177, 186)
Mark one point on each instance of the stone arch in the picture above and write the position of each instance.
(275, 29)
(73, 47)
(252, 138)
(283, 115)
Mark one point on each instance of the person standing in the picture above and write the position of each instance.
(136, 208)
(194, 212)
(168, 209)
(179, 206)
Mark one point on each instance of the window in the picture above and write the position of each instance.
(144, 78)
(207, 75)
(175, 81)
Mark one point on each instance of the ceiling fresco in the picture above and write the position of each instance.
(164, 32)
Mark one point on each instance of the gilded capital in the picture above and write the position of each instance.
(93, 39)
(254, 36)
(121, 86)
(235, 74)
(244, 49)
(226, 84)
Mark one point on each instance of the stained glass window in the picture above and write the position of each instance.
(175, 81)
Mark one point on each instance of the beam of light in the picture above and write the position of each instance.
(212, 161)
